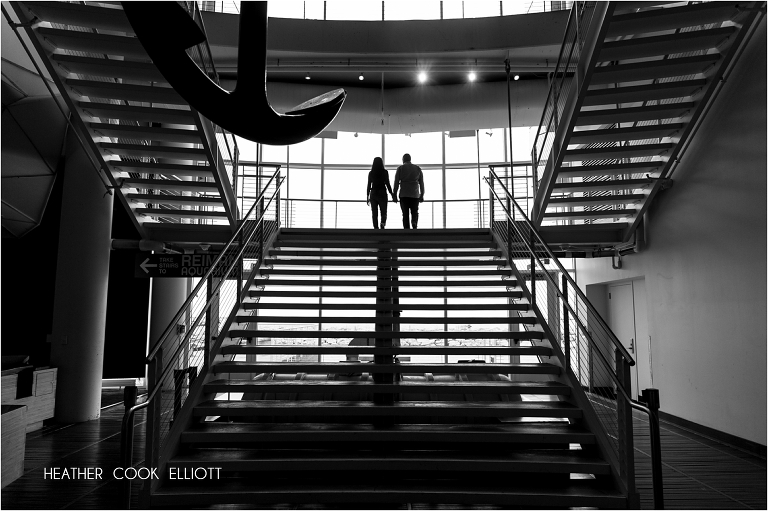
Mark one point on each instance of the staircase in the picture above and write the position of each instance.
(381, 368)
(168, 164)
(634, 80)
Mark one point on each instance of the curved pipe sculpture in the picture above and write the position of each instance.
(166, 31)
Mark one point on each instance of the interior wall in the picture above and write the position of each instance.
(705, 264)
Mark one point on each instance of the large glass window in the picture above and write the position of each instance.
(352, 148)
(410, 10)
(306, 152)
(461, 149)
(424, 148)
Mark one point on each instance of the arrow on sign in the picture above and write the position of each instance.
(144, 265)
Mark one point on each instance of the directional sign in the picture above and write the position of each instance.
(180, 265)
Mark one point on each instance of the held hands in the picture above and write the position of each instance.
(394, 198)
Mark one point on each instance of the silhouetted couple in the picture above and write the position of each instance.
(408, 179)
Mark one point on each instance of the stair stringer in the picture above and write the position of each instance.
(577, 396)
(196, 395)
(747, 26)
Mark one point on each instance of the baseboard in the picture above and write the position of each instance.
(741, 443)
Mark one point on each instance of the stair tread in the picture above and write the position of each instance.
(374, 283)
(110, 68)
(130, 92)
(583, 493)
(395, 245)
(649, 46)
(630, 114)
(436, 387)
(175, 199)
(91, 17)
(332, 334)
(653, 69)
(625, 134)
(368, 432)
(374, 254)
(482, 408)
(137, 113)
(94, 42)
(342, 368)
(670, 18)
(373, 261)
(374, 294)
(402, 350)
(384, 307)
(600, 200)
(382, 320)
(146, 132)
(265, 460)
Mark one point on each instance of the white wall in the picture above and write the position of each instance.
(705, 264)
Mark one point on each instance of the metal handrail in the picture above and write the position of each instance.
(571, 18)
(169, 329)
(127, 421)
(617, 344)
(652, 406)
(565, 302)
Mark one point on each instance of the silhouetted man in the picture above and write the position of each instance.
(412, 191)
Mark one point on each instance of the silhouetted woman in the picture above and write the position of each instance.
(376, 194)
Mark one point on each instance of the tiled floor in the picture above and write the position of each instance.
(698, 472)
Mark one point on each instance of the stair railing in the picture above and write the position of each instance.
(582, 35)
(182, 355)
(593, 356)
(219, 143)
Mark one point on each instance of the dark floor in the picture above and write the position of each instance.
(699, 472)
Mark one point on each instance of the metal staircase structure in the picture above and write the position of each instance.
(365, 367)
(391, 367)
(171, 167)
(633, 81)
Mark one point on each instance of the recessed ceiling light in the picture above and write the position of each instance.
(472, 77)
(307, 77)
(422, 77)
(361, 77)
(517, 77)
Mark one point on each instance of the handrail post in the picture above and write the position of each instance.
(277, 205)
(533, 266)
(126, 443)
(154, 413)
(490, 201)
(566, 325)
(624, 426)
(651, 398)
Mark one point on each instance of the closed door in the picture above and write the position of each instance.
(621, 319)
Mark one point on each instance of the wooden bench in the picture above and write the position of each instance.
(41, 400)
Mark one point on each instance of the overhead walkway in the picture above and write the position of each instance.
(633, 81)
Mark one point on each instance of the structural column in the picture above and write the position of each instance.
(80, 297)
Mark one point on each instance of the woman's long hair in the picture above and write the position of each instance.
(378, 172)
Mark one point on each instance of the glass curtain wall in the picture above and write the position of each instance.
(326, 187)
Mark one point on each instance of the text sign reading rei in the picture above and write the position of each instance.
(180, 265)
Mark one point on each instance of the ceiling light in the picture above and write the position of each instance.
(517, 77)
(307, 77)
(472, 77)
(422, 77)
(361, 77)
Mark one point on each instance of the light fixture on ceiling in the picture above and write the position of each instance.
(472, 76)
(489, 133)
(355, 135)
(361, 77)
(517, 77)
(306, 77)
(422, 77)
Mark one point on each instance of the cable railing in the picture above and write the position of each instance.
(594, 357)
(543, 152)
(355, 214)
(182, 354)
(509, 8)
